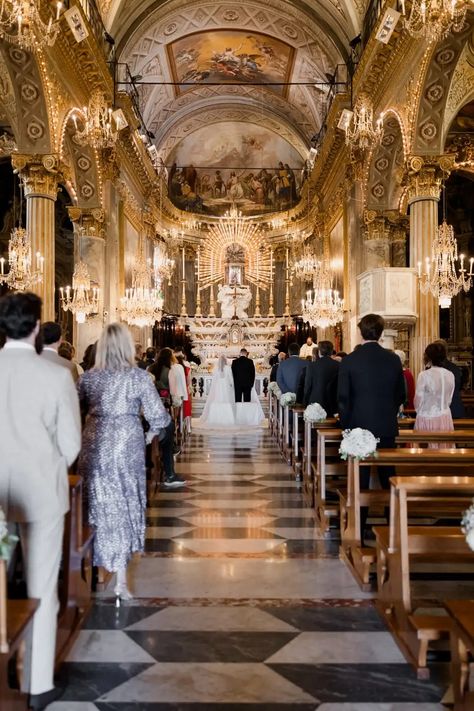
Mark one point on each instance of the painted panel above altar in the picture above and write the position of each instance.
(232, 162)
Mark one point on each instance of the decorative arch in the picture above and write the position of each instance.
(386, 166)
(437, 89)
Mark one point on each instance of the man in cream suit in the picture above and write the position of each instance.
(40, 435)
(51, 340)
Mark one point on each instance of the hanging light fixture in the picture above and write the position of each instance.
(21, 274)
(142, 304)
(434, 19)
(99, 126)
(441, 276)
(360, 130)
(306, 266)
(82, 299)
(323, 307)
(164, 267)
(22, 24)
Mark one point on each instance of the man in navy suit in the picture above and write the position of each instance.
(289, 371)
(320, 383)
(371, 388)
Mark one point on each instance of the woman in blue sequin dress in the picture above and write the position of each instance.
(115, 394)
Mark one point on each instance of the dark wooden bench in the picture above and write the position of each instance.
(309, 451)
(400, 545)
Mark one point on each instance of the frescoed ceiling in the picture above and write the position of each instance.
(207, 63)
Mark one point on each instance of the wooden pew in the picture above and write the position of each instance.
(462, 645)
(16, 626)
(401, 544)
(358, 557)
(328, 446)
(76, 571)
(297, 412)
(310, 448)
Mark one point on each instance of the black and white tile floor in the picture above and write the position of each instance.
(240, 605)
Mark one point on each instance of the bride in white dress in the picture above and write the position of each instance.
(220, 410)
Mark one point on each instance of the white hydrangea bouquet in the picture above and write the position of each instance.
(176, 400)
(467, 524)
(358, 443)
(315, 413)
(7, 540)
(287, 399)
(275, 390)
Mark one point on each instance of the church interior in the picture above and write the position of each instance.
(222, 176)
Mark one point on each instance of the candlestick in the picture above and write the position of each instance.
(58, 10)
(211, 301)
(257, 304)
(271, 312)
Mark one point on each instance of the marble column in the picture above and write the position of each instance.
(40, 181)
(353, 255)
(423, 198)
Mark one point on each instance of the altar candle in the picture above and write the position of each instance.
(184, 265)
(198, 263)
(471, 262)
(271, 263)
(58, 10)
(2, 264)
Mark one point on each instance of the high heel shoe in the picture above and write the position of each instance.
(122, 594)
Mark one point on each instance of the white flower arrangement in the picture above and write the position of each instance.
(176, 400)
(7, 540)
(315, 413)
(467, 524)
(287, 399)
(358, 443)
(273, 387)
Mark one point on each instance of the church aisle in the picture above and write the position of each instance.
(240, 605)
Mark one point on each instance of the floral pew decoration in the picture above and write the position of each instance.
(275, 390)
(467, 524)
(358, 443)
(7, 540)
(314, 413)
(287, 399)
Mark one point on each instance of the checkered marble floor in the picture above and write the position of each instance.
(240, 603)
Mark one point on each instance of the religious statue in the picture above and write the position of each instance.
(234, 300)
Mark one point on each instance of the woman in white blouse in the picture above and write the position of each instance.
(434, 392)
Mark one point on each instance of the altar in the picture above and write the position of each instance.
(214, 336)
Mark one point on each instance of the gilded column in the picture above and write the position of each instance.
(424, 186)
(376, 240)
(40, 179)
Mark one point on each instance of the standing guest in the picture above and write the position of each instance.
(150, 356)
(321, 379)
(457, 405)
(80, 370)
(371, 389)
(339, 356)
(409, 382)
(161, 372)
(273, 373)
(243, 372)
(289, 371)
(66, 350)
(51, 339)
(40, 432)
(434, 392)
(89, 357)
(307, 348)
(139, 362)
(187, 402)
(113, 395)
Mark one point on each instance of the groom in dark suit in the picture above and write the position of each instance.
(243, 371)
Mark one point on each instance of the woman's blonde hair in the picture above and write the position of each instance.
(115, 348)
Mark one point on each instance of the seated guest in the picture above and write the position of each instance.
(457, 405)
(409, 382)
(51, 338)
(434, 392)
(40, 432)
(321, 379)
(371, 388)
(289, 370)
(273, 373)
(113, 395)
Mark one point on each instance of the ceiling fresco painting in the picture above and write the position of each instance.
(234, 162)
(230, 56)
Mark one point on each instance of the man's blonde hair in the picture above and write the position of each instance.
(115, 348)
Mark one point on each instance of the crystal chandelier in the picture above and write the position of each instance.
(100, 129)
(434, 19)
(164, 267)
(142, 304)
(22, 24)
(360, 131)
(20, 276)
(441, 277)
(82, 300)
(306, 266)
(323, 307)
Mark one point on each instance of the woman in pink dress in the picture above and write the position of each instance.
(434, 392)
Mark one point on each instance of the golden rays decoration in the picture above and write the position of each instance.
(235, 239)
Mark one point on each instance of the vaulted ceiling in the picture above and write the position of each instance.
(207, 63)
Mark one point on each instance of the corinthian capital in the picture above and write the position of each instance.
(424, 176)
(40, 174)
